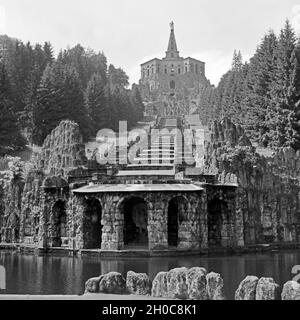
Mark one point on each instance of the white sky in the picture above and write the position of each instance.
(131, 31)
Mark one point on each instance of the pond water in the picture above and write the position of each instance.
(48, 274)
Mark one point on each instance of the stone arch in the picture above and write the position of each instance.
(92, 227)
(216, 209)
(177, 216)
(59, 223)
(134, 210)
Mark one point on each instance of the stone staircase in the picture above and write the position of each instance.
(163, 152)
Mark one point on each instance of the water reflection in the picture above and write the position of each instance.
(30, 274)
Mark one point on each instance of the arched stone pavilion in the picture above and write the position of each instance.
(178, 216)
(144, 216)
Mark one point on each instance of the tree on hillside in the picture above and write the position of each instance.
(117, 77)
(260, 78)
(48, 55)
(280, 115)
(97, 103)
(295, 100)
(10, 136)
(206, 103)
(85, 61)
(237, 61)
(137, 103)
(229, 93)
(59, 97)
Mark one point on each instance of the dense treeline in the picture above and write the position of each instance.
(38, 90)
(264, 94)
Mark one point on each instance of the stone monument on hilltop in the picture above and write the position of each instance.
(172, 76)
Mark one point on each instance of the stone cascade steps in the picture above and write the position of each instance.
(162, 153)
(164, 150)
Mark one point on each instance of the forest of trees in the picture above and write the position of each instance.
(262, 95)
(38, 90)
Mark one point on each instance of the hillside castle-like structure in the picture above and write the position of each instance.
(172, 74)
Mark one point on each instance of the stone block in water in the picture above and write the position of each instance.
(247, 289)
(215, 286)
(138, 283)
(92, 285)
(177, 283)
(291, 291)
(181, 283)
(267, 289)
(197, 283)
(113, 282)
(159, 285)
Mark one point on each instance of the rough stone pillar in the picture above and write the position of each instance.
(43, 227)
(240, 202)
(158, 222)
(118, 226)
(189, 230)
(112, 223)
(76, 212)
(203, 227)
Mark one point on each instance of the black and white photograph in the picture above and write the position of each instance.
(149, 150)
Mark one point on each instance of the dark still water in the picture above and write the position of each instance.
(29, 274)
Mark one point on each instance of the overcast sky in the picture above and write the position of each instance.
(130, 32)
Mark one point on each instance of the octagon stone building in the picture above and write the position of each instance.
(172, 74)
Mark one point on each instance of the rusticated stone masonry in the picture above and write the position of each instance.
(112, 219)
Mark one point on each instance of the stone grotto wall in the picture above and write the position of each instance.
(28, 192)
(267, 202)
(62, 150)
(31, 210)
(11, 190)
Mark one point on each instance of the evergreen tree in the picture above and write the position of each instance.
(48, 53)
(280, 115)
(229, 93)
(59, 97)
(117, 77)
(97, 103)
(237, 61)
(10, 136)
(295, 100)
(85, 62)
(137, 103)
(257, 98)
